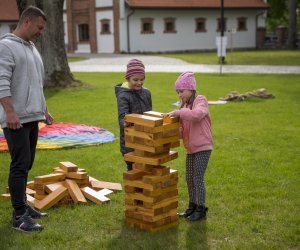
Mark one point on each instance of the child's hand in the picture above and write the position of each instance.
(174, 113)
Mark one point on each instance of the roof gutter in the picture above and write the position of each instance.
(128, 30)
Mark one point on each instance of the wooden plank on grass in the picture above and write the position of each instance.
(105, 191)
(94, 195)
(75, 192)
(108, 185)
(30, 200)
(51, 199)
(30, 191)
(49, 188)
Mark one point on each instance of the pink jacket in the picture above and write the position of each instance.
(195, 126)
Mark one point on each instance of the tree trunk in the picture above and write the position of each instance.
(51, 44)
(292, 28)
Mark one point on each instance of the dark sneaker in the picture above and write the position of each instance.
(26, 224)
(34, 214)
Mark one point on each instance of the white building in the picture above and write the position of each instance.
(114, 26)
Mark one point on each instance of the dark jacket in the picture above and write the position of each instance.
(130, 102)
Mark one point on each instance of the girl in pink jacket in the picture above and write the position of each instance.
(195, 131)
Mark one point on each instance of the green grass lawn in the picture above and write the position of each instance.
(251, 57)
(252, 179)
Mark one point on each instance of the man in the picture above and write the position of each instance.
(22, 107)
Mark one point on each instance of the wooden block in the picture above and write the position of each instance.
(159, 191)
(30, 191)
(94, 195)
(108, 185)
(30, 184)
(58, 170)
(152, 179)
(142, 153)
(143, 167)
(49, 188)
(51, 199)
(77, 175)
(50, 178)
(144, 120)
(160, 170)
(156, 160)
(174, 144)
(105, 191)
(68, 166)
(82, 182)
(131, 132)
(139, 184)
(38, 186)
(75, 191)
(5, 196)
(163, 224)
(150, 218)
(166, 119)
(147, 148)
(152, 200)
(134, 174)
(154, 210)
(170, 133)
(39, 196)
(40, 192)
(163, 128)
(30, 200)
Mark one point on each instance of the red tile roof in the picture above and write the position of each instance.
(9, 10)
(196, 4)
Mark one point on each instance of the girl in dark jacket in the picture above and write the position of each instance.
(132, 98)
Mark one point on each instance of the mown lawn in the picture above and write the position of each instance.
(252, 179)
(251, 57)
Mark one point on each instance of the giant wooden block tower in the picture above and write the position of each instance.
(151, 194)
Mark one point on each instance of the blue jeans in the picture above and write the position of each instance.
(22, 145)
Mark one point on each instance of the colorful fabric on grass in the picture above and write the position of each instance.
(61, 135)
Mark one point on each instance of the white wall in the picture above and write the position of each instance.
(186, 38)
(65, 28)
(105, 42)
(4, 27)
(103, 3)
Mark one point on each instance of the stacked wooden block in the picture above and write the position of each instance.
(151, 194)
(68, 183)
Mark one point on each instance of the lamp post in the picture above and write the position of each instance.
(222, 28)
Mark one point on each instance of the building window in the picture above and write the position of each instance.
(147, 26)
(170, 25)
(83, 32)
(219, 24)
(105, 26)
(200, 25)
(242, 24)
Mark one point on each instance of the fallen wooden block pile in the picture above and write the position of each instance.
(68, 183)
(151, 194)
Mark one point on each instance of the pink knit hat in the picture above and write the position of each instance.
(186, 81)
(135, 67)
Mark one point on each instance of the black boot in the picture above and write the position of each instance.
(189, 211)
(199, 214)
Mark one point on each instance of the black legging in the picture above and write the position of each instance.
(196, 165)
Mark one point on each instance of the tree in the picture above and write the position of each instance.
(51, 44)
(292, 28)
